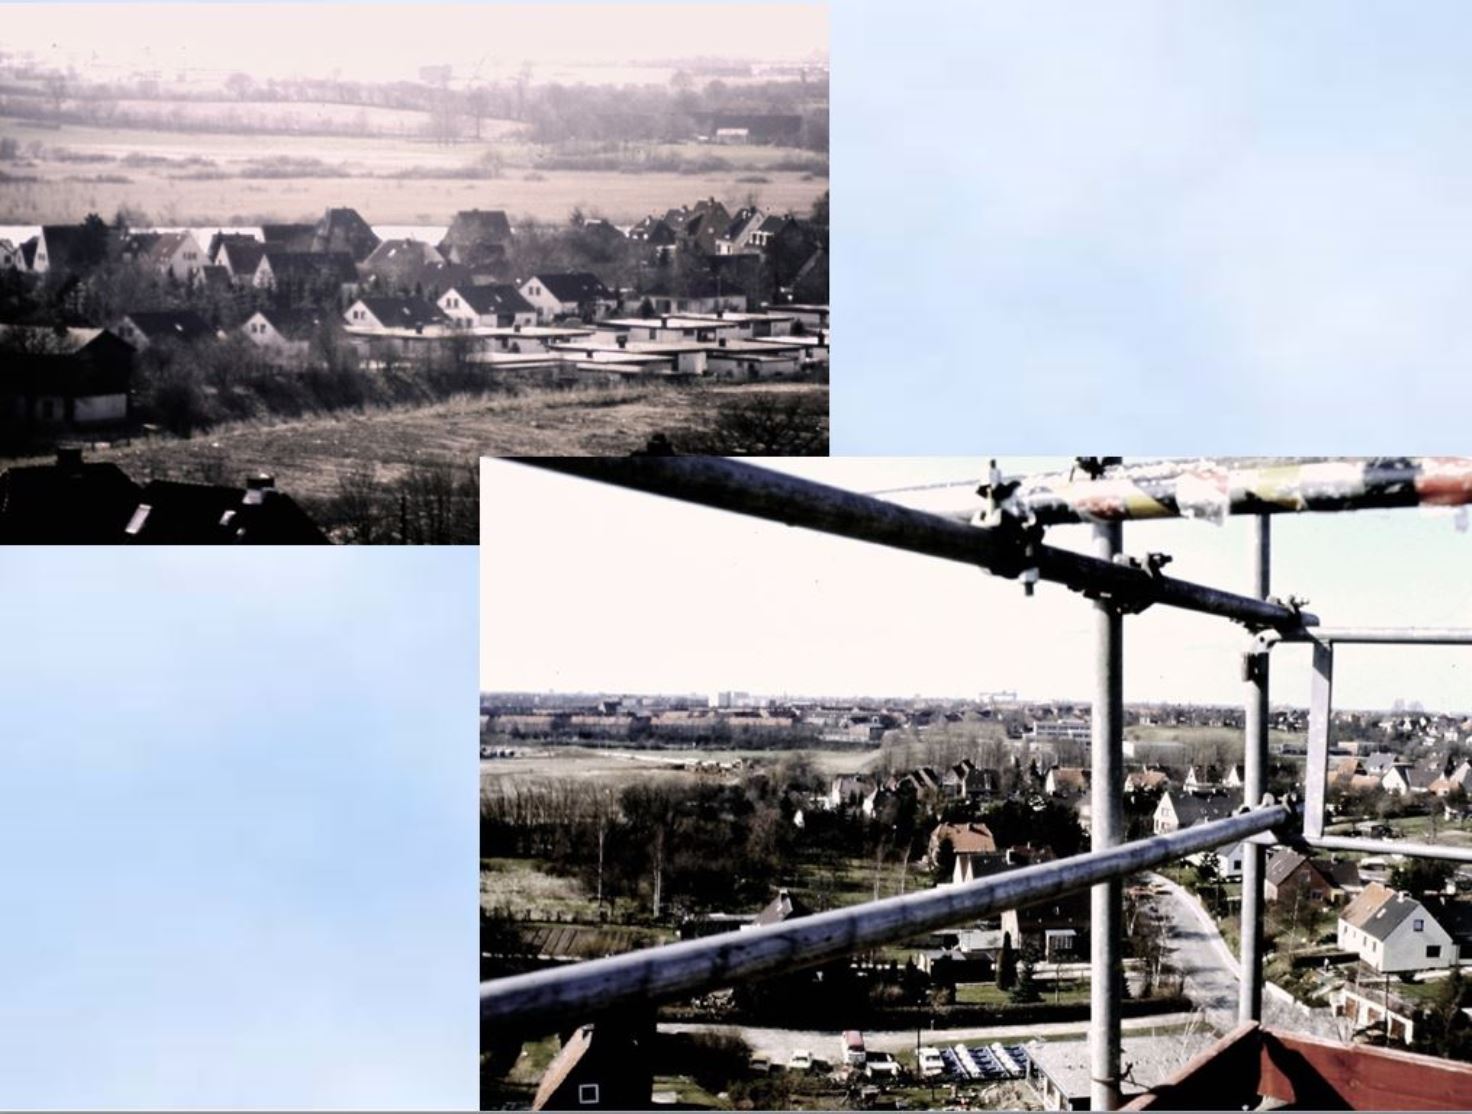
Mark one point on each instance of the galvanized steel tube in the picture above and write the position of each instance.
(1106, 824)
(735, 485)
(1254, 784)
(542, 1000)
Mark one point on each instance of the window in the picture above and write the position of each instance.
(1418, 925)
(1433, 951)
(587, 1094)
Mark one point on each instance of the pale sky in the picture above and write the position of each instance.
(590, 587)
(237, 828)
(391, 41)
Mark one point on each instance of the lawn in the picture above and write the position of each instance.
(988, 994)
(522, 885)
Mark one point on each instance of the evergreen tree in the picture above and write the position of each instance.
(1007, 964)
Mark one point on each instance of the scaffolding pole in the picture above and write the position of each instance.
(734, 485)
(1254, 783)
(1106, 823)
(541, 1001)
(1213, 489)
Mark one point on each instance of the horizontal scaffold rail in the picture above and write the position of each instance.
(1214, 489)
(544, 1000)
(1391, 847)
(744, 488)
(1390, 636)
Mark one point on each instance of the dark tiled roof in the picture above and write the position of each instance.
(172, 513)
(343, 230)
(183, 325)
(312, 265)
(404, 313)
(295, 324)
(1191, 809)
(494, 298)
(574, 286)
(65, 504)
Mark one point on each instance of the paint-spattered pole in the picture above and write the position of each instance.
(1254, 783)
(735, 485)
(1213, 489)
(1106, 823)
(543, 1000)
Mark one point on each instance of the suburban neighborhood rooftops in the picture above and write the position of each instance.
(183, 325)
(574, 286)
(404, 313)
(494, 298)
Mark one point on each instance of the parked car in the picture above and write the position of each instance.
(929, 1062)
(853, 1048)
(760, 1063)
(800, 1060)
(881, 1065)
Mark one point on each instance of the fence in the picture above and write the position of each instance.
(1005, 538)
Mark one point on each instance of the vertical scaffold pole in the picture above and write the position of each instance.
(1254, 783)
(1107, 828)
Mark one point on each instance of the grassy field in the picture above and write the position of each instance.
(178, 178)
(308, 456)
(987, 994)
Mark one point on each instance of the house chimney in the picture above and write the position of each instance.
(256, 488)
(721, 342)
(623, 340)
(69, 458)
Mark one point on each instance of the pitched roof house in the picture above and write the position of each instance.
(172, 513)
(1066, 781)
(1185, 810)
(287, 332)
(566, 294)
(600, 1067)
(966, 839)
(477, 239)
(176, 255)
(495, 305)
(289, 237)
(71, 502)
(58, 378)
(1058, 927)
(382, 313)
(343, 230)
(241, 258)
(1393, 932)
(142, 328)
(1291, 876)
(308, 269)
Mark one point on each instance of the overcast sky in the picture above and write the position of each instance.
(391, 41)
(1199, 227)
(237, 828)
(585, 586)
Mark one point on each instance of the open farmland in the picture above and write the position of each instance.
(309, 457)
(212, 178)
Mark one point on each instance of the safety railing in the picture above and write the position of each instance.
(1005, 538)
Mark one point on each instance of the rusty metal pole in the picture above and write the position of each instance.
(1254, 783)
(1106, 830)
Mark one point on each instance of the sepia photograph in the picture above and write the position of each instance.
(1027, 783)
(283, 272)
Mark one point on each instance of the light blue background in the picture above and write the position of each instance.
(1153, 226)
(238, 828)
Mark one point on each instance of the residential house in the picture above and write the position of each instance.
(310, 273)
(1201, 778)
(1057, 928)
(400, 264)
(1066, 781)
(289, 237)
(783, 907)
(144, 328)
(1460, 779)
(176, 255)
(1378, 763)
(344, 231)
(55, 379)
(966, 839)
(658, 234)
(69, 247)
(70, 502)
(172, 513)
(1146, 781)
(1184, 810)
(968, 780)
(1392, 932)
(11, 258)
(1291, 876)
(379, 314)
(697, 294)
(1229, 858)
(286, 333)
(849, 789)
(241, 258)
(600, 1067)
(568, 294)
(740, 233)
(495, 305)
(477, 239)
(982, 864)
(1233, 780)
(1404, 779)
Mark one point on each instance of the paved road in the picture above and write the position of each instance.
(781, 1043)
(1212, 973)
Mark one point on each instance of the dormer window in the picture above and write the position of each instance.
(1418, 925)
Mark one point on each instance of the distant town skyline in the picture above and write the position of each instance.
(611, 590)
(391, 41)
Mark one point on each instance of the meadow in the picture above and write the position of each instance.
(171, 177)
